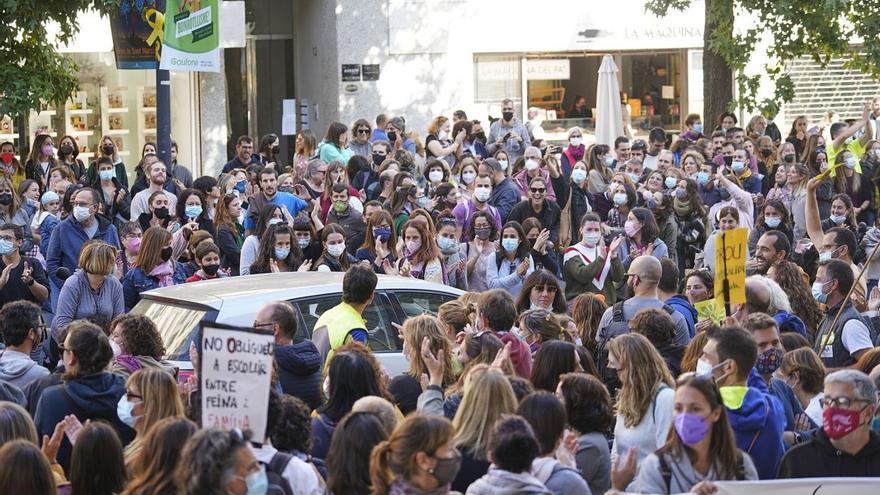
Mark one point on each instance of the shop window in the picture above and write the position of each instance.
(497, 77)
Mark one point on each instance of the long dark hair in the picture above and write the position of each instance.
(267, 249)
(723, 452)
(97, 465)
(350, 448)
(374, 221)
(354, 373)
(540, 277)
(523, 250)
(649, 230)
(552, 360)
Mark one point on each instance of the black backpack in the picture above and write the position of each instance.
(616, 327)
(278, 485)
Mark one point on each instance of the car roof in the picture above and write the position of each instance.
(276, 286)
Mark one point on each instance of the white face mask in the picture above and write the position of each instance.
(576, 141)
(117, 350)
(435, 176)
(482, 194)
(578, 175)
(80, 213)
(468, 177)
(704, 368)
(531, 164)
(336, 250)
(442, 135)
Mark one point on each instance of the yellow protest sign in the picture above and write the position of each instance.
(710, 310)
(730, 264)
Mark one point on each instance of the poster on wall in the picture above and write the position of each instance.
(137, 34)
(192, 36)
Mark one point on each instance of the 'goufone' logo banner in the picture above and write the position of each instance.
(192, 36)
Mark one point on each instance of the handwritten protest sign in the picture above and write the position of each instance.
(235, 378)
(710, 310)
(730, 264)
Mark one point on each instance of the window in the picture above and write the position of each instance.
(177, 325)
(497, 77)
(382, 335)
(419, 303)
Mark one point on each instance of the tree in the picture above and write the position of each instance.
(33, 71)
(819, 29)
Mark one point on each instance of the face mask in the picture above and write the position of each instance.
(483, 234)
(435, 176)
(838, 422)
(816, 289)
(282, 253)
(81, 213)
(468, 177)
(124, 410)
(766, 153)
(670, 182)
(210, 270)
(698, 128)
(503, 164)
(609, 161)
(728, 160)
(336, 250)
(875, 424)
(274, 221)
(240, 186)
(578, 175)
(446, 470)
(117, 350)
(446, 244)
(702, 178)
(66, 150)
(48, 150)
(413, 246)
(576, 141)
(825, 256)
(733, 397)
(442, 135)
(161, 212)
(482, 194)
(769, 361)
(508, 116)
(378, 159)
(193, 211)
(681, 194)
(134, 245)
(691, 428)
(633, 177)
(166, 253)
(531, 165)
(788, 158)
(5, 199)
(303, 243)
(725, 194)
(738, 166)
(838, 219)
(509, 244)
(772, 222)
(851, 163)
(704, 368)
(392, 136)
(619, 199)
(108, 150)
(592, 238)
(340, 206)
(107, 174)
(257, 483)
(6, 247)
(7, 158)
(630, 228)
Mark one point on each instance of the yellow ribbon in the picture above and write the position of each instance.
(157, 22)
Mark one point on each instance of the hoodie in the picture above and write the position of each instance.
(758, 425)
(819, 458)
(499, 482)
(683, 306)
(790, 323)
(88, 397)
(559, 478)
(299, 371)
(19, 369)
(520, 354)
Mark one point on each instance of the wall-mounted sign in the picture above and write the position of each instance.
(351, 72)
(548, 69)
(370, 72)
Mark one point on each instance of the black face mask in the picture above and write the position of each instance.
(788, 159)
(378, 159)
(728, 160)
(161, 213)
(508, 116)
(210, 270)
(480, 136)
(166, 253)
(392, 136)
(5, 199)
(108, 150)
(65, 150)
(766, 153)
(276, 150)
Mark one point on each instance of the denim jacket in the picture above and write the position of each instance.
(136, 281)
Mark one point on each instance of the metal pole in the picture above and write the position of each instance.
(163, 117)
(726, 282)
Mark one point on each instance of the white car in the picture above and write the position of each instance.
(178, 310)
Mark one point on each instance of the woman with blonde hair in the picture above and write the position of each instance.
(152, 471)
(92, 291)
(150, 396)
(644, 401)
(417, 333)
(456, 315)
(487, 396)
(419, 457)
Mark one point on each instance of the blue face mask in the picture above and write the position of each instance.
(820, 296)
(772, 222)
(282, 253)
(382, 234)
(240, 186)
(634, 177)
(670, 182)
(509, 244)
(702, 178)
(698, 128)
(257, 483)
(107, 174)
(6, 247)
(445, 243)
(193, 211)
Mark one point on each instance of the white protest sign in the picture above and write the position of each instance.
(804, 486)
(235, 378)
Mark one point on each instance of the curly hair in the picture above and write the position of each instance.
(211, 456)
(293, 431)
(138, 335)
(587, 403)
(788, 276)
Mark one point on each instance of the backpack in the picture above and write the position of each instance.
(617, 326)
(278, 485)
(666, 472)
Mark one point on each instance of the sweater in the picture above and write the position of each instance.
(78, 301)
(819, 458)
(593, 459)
(683, 476)
(559, 478)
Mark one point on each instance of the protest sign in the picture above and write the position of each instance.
(235, 377)
(808, 486)
(192, 36)
(731, 247)
(711, 309)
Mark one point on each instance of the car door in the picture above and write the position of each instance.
(382, 335)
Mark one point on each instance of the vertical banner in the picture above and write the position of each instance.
(192, 36)
(730, 265)
(137, 34)
(235, 378)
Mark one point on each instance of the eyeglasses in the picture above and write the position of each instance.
(261, 325)
(842, 401)
(552, 289)
(131, 395)
(538, 190)
(363, 131)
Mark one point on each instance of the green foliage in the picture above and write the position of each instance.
(32, 71)
(818, 29)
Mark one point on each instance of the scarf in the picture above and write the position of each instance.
(682, 207)
(128, 362)
(402, 487)
(164, 272)
(576, 152)
(587, 256)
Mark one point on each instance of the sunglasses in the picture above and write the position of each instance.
(363, 131)
(538, 190)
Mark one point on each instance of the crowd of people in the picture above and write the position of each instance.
(583, 356)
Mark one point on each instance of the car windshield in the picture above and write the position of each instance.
(176, 324)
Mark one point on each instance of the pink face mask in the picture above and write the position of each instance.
(134, 245)
(838, 422)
